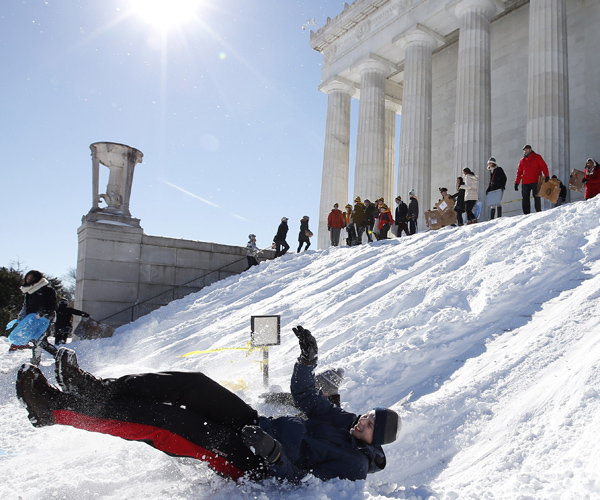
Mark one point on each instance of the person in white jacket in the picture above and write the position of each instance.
(471, 193)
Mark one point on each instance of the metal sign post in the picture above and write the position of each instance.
(265, 331)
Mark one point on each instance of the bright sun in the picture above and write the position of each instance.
(166, 14)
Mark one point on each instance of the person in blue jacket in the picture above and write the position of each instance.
(190, 415)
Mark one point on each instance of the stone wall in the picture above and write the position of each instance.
(123, 273)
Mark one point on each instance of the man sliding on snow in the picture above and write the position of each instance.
(190, 415)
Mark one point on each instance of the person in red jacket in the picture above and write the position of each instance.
(385, 222)
(335, 223)
(592, 178)
(531, 166)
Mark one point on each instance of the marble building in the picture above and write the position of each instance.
(470, 79)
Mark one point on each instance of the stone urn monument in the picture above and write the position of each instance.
(121, 161)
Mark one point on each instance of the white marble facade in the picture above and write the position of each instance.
(471, 79)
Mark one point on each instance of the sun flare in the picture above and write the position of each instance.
(166, 14)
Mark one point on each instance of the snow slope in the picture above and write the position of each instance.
(495, 326)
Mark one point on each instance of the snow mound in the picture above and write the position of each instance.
(494, 326)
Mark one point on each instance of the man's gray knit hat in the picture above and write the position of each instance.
(330, 380)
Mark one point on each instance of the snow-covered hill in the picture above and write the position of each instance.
(495, 326)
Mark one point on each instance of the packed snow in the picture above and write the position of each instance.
(494, 326)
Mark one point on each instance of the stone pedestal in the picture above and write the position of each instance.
(108, 267)
(336, 157)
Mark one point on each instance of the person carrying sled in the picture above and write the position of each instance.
(40, 299)
(531, 166)
(190, 415)
(304, 234)
(64, 321)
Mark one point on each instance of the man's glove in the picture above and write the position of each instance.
(308, 346)
(261, 444)
(85, 315)
(516, 187)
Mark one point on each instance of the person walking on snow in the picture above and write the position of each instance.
(252, 251)
(281, 246)
(358, 216)
(592, 178)
(349, 225)
(531, 166)
(471, 193)
(371, 212)
(385, 222)
(401, 217)
(413, 212)
(497, 181)
(335, 223)
(459, 198)
(64, 321)
(304, 234)
(191, 415)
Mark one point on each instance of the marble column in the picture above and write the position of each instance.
(548, 86)
(391, 109)
(369, 173)
(414, 165)
(336, 156)
(473, 128)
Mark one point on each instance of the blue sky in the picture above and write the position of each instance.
(224, 106)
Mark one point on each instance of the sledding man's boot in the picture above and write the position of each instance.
(74, 380)
(36, 395)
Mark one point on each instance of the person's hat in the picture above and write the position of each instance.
(284, 219)
(251, 236)
(384, 206)
(398, 198)
(493, 160)
(527, 146)
(305, 217)
(387, 426)
(357, 198)
(330, 380)
(367, 200)
(335, 205)
(411, 192)
(348, 206)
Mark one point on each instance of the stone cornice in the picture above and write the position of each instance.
(378, 12)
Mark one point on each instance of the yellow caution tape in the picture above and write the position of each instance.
(249, 348)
